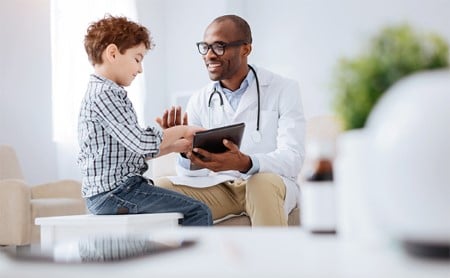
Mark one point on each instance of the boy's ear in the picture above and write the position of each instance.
(111, 52)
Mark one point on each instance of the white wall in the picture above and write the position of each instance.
(174, 65)
(25, 86)
(304, 38)
(301, 39)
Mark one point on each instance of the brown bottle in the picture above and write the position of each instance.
(318, 200)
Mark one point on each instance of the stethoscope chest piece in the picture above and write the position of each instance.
(256, 136)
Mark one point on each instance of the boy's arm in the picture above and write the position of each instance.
(177, 139)
(119, 120)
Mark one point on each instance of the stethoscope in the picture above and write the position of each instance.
(256, 134)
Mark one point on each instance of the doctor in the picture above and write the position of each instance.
(258, 179)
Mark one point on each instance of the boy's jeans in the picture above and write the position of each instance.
(138, 195)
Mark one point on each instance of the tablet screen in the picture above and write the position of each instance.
(211, 139)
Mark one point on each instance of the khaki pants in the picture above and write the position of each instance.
(261, 197)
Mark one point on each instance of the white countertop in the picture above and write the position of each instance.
(247, 252)
(122, 219)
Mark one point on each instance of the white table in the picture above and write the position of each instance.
(247, 252)
(64, 228)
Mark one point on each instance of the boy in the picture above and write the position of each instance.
(113, 146)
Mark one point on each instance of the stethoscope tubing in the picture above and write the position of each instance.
(257, 92)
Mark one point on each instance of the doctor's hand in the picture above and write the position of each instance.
(232, 159)
(172, 117)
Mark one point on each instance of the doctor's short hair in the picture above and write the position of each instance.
(241, 26)
(120, 31)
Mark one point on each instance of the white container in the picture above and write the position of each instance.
(354, 219)
(318, 207)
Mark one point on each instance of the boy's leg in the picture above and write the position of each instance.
(265, 194)
(138, 196)
(223, 199)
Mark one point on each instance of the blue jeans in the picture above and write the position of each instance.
(139, 195)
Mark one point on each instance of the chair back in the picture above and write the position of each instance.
(9, 164)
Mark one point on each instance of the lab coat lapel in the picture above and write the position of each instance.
(249, 100)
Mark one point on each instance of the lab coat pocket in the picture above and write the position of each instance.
(268, 128)
(269, 120)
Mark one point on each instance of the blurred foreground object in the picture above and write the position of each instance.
(408, 171)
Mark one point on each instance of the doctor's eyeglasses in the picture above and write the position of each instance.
(218, 47)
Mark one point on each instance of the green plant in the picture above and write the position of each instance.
(394, 53)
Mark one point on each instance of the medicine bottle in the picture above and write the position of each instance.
(318, 194)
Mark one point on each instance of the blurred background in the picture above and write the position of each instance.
(44, 69)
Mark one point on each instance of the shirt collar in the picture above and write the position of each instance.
(242, 88)
(113, 85)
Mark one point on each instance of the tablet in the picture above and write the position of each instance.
(211, 139)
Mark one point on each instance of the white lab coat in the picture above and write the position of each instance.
(282, 127)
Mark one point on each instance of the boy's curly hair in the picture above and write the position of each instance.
(120, 31)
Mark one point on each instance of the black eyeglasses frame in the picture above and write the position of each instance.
(224, 45)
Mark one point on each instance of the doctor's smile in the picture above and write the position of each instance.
(213, 65)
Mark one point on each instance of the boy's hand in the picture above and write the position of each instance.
(190, 132)
(188, 138)
(172, 117)
(181, 145)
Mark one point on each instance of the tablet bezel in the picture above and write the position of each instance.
(211, 140)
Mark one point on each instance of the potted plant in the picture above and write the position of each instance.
(394, 53)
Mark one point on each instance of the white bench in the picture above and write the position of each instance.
(60, 229)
